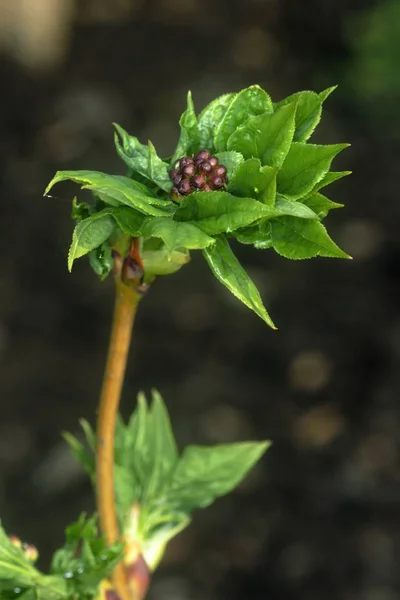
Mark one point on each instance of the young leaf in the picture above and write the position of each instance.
(227, 269)
(162, 426)
(189, 138)
(176, 234)
(324, 95)
(89, 434)
(88, 235)
(115, 190)
(137, 157)
(206, 473)
(299, 238)
(157, 170)
(329, 178)
(248, 103)
(101, 260)
(250, 180)
(294, 209)
(85, 559)
(84, 458)
(209, 118)
(220, 212)
(150, 451)
(128, 220)
(230, 160)
(308, 114)
(320, 204)
(304, 166)
(267, 136)
(259, 236)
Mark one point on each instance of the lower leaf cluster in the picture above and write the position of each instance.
(76, 569)
(157, 489)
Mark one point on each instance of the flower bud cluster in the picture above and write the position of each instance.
(201, 172)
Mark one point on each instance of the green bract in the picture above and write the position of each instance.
(272, 200)
(157, 489)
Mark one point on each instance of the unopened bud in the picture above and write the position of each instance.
(31, 552)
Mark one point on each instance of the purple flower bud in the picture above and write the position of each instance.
(198, 181)
(173, 174)
(185, 161)
(217, 181)
(204, 167)
(189, 170)
(221, 171)
(202, 155)
(185, 187)
(213, 160)
(177, 179)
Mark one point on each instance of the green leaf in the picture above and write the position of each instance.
(324, 95)
(163, 429)
(81, 210)
(128, 220)
(206, 473)
(85, 559)
(175, 234)
(116, 190)
(220, 212)
(101, 260)
(304, 166)
(209, 118)
(89, 434)
(150, 454)
(91, 234)
(247, 103)
(294, 209)
(267, 136)
(308, 114)
(138, 157)
(259, 236)
(230, 160)
(88, 235)
(189, 138)
(83, 457)
(299, 238)
(329, 178)
(157, 170)
(252, 181)
(227, 269)
(320, 204)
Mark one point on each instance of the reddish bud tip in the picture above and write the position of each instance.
(189, 170)
(198, 181)
(204, 167)
(217, 182)
(185, 187)
(185, 161)
(202, 155)
(177, 179)
(221, 171)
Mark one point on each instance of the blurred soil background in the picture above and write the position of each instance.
(320, 516)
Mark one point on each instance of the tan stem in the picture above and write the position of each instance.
(126, 303)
